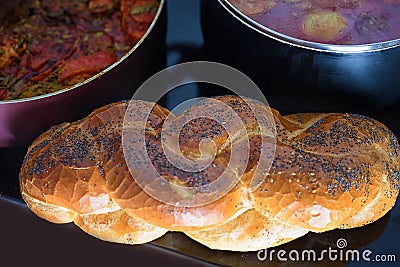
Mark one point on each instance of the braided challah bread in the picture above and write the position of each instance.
(324, 171)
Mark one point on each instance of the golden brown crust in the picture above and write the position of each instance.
(328, 171)
(118, 227)
(250, 231)
(50, 212)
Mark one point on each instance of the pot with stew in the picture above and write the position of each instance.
(61, 59)
(346, 51)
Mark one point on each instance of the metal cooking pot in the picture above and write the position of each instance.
(22, 120)
(350, 78)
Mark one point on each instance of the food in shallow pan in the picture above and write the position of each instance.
(328, 171)
(47, 45)
(327, 21)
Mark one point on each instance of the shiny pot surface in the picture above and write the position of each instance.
(357, 77)
(22, 120)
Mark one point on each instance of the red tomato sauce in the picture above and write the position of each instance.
(342, 22)
(48, 45)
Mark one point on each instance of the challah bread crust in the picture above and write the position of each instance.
(50, 212)
(329, 171)
(119, 227)
(250, 231)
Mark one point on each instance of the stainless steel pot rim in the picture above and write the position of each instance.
(98, 75)
(320, 47)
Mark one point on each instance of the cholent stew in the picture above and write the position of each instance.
(48, 45)
(342, 22)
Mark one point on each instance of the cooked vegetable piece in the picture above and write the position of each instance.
(324, 26)
(90, 64)
(251, 7)
(7, 55)
(136, 15)
(101, 6)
